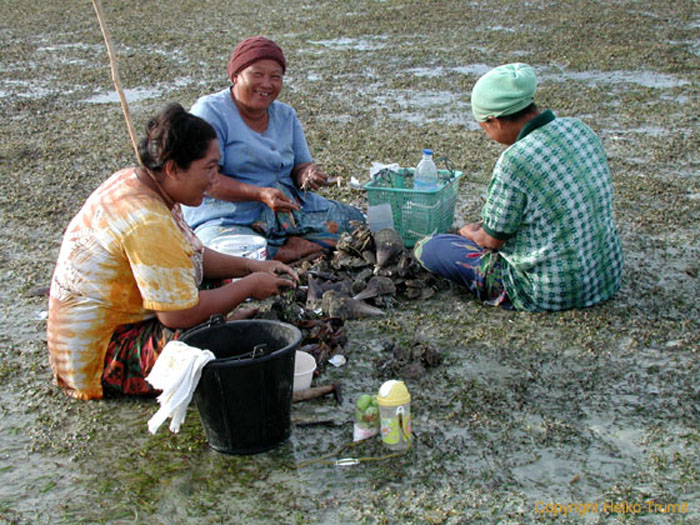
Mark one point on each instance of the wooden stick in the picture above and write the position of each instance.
(319, 391)
(115, 76)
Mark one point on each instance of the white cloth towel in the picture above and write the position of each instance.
(176, 372)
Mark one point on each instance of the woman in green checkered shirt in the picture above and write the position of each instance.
(547, 238)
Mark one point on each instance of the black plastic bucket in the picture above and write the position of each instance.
(244, 400)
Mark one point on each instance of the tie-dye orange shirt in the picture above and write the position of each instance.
(124, 255)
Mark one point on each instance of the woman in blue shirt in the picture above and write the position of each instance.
(266, 169)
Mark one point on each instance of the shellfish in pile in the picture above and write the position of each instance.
(364, 274)
(379, 267)
(388, 245)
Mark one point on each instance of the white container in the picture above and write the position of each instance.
(248, 246)
(304, 367)
(380, 217)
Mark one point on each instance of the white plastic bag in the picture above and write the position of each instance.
(378, 166)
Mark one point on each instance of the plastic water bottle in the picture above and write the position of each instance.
(426, 175)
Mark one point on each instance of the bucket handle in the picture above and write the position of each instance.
(214, 320)
(260, 350)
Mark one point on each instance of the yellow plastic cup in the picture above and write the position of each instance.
(395, 414)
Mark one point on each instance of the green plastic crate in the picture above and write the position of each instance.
(416, 213)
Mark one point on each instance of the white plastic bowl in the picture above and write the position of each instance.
(250, 246)
(304, 366)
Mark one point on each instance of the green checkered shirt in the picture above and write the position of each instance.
(550, 198)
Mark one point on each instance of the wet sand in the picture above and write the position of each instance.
(561, 417)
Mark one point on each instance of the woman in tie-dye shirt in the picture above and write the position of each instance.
(129, 270)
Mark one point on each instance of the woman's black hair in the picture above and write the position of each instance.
(174, 134)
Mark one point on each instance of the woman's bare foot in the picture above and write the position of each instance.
(242, 313)
(296, 248)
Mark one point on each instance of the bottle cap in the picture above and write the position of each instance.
(427, 151)
(393, 393)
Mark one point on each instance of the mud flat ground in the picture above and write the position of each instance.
(596, 411)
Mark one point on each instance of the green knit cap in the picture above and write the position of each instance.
(503, 91)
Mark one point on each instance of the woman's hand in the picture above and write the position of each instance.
(276, 200)
(262, 279)
(272, 267)
(264, 284)
(309, 176)
(474, 232)
(469, 230)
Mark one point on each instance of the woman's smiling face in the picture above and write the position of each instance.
(258, 85)
(188, 186)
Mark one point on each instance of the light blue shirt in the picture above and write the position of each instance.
(261, 159)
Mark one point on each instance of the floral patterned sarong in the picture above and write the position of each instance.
(466, 263)
(322, 227)
(131, 354)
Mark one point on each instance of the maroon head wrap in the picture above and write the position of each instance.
(251, 50)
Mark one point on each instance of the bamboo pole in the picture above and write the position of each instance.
(115, 76)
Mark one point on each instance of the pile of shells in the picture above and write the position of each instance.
(322, 337)
(365, 275)
(409, 361)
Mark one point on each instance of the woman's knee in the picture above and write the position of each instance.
(433, 252)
